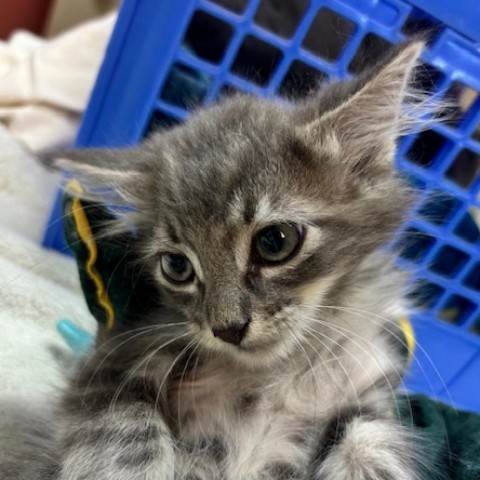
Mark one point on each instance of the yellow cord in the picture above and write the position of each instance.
(85, 233)
(409, 334)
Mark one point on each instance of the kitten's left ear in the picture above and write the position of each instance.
(365, 125)
(117, 177)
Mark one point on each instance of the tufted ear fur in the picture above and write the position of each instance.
(118, 177)
(361, 121)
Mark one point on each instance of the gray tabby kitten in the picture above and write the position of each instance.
(274, 355)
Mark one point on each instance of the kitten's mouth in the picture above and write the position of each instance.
(253, 350)
(255, 346)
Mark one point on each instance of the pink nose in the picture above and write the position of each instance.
(233, 334)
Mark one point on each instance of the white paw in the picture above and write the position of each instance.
(371, 450)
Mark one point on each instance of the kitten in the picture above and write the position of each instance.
(274, 355)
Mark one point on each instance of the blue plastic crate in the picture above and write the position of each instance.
(151, 73)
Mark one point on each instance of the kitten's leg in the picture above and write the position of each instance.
(365, 447)
(129, 442)
(112, 426)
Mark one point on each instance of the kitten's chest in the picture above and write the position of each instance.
(258, 424)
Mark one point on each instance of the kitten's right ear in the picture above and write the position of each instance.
(113, 176)
(369, 114)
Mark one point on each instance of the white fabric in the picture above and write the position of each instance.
(37, 287)
(45, 84)
(44, 88)
(27, 190)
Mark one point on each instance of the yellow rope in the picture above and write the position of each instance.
(85, 233)
(409, 334)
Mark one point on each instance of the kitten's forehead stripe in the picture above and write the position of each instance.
(172, 233)
(249, 209)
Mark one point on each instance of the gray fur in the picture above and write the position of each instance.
(308, 394)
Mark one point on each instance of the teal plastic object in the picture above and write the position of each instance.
(80, 341)
(442, 239)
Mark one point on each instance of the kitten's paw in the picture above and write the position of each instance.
(371, 450)
(118, 448)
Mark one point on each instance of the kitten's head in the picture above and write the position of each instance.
(255, 211)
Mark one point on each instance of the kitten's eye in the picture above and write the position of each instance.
(277, 243)
(176, 268)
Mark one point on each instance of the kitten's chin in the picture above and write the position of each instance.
(255, 355)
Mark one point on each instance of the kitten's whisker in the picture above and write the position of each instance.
(112, 273)
(195, 409)
(299, 344)
(132, 372)
(94, 356)
(358, 313)
(148, 329)
(146, 359)
(339, 362)
(149, 357)
(170, 368)
(370, 354)
(143, 328)
(69, 214)
(394, 370)
(312, 370)
(181, 382)
(209, 355)
(345, 332)
(135, 280)
(403, 342)
(290, 355)
(368, 316)
(91, 357)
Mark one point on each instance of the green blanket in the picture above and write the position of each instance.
(451, 437)
(116, 291)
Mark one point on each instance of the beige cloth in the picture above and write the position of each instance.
(27, 190)
(45, 84)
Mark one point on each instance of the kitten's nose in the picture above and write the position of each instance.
(233, 334)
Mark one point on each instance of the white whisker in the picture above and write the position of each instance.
(367, 315)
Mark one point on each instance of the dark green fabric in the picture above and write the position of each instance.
(130, 292)
(452, 437)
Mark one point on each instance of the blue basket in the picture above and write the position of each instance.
(153, 72)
